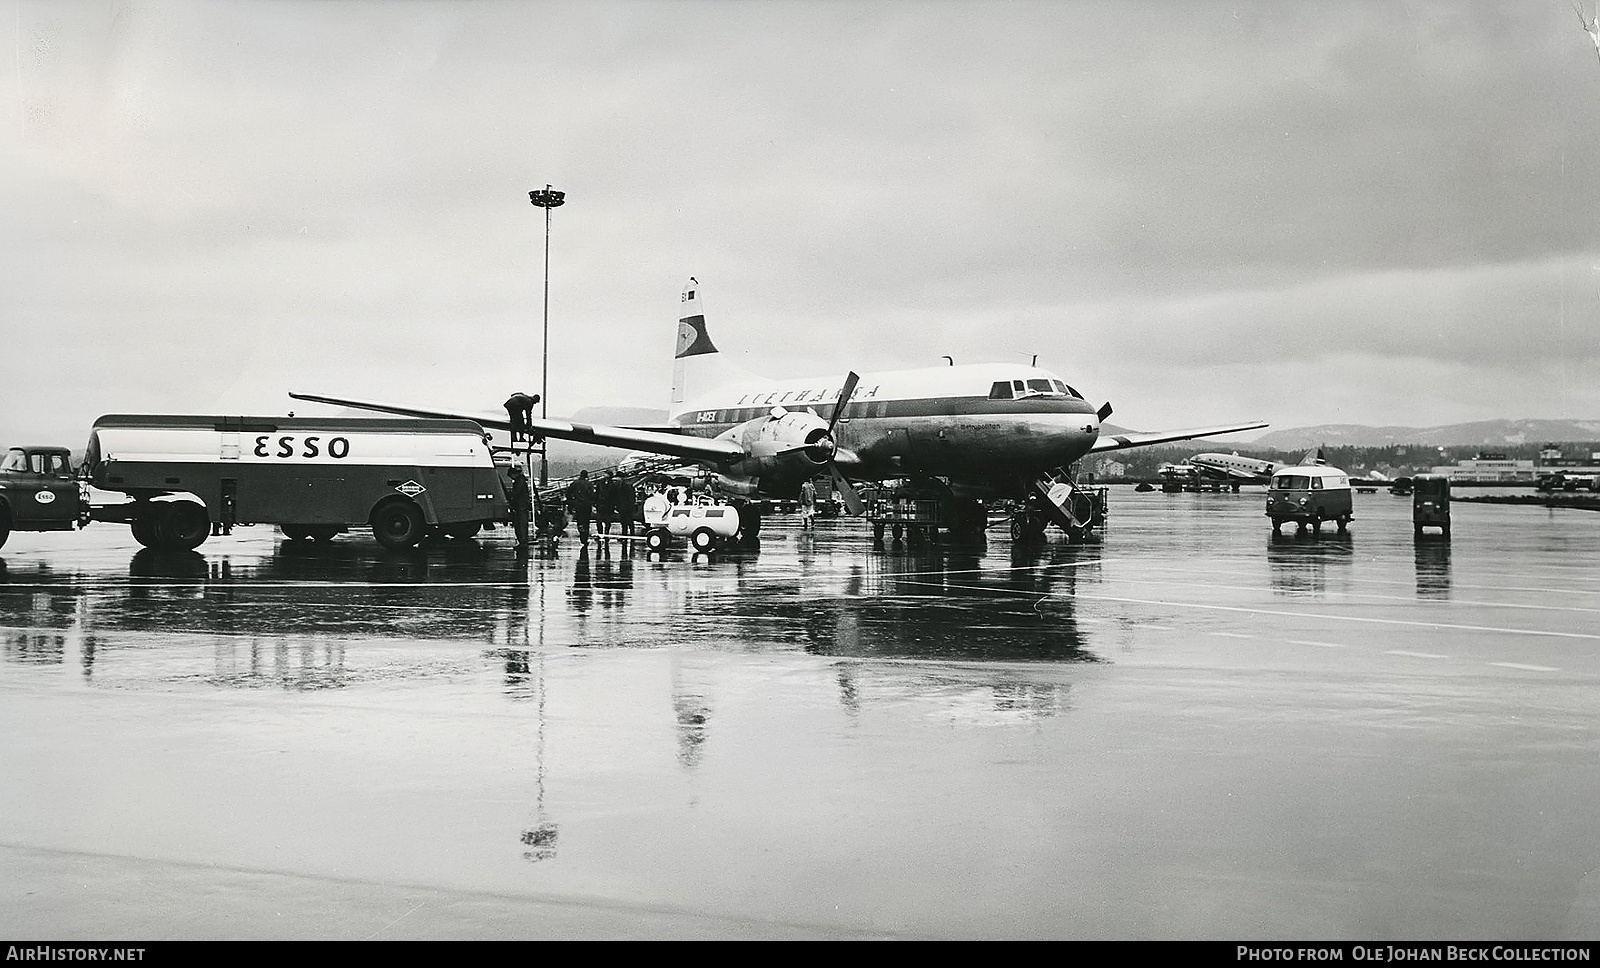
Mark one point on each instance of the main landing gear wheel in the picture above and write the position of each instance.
(398, 525)
(1028, 525)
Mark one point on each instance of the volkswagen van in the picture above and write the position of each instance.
(1309, 495)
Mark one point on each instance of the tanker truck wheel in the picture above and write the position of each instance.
(398, 525)
(143, 526)
(182, 525)
(5, 527)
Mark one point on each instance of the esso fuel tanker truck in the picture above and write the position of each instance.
(312, 476)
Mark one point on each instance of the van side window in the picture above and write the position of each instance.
(1001, 390)
(1316, 483)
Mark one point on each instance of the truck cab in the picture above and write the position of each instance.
(38, 491)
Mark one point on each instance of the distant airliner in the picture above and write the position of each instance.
(1235, 469)
(969, 433)
(1253, 470)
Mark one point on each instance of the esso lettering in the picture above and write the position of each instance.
(289, 446)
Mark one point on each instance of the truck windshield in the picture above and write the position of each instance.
(16, 462)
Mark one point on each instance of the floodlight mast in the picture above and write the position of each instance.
(547, 200)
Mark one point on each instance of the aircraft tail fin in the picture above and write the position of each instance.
(697, 365)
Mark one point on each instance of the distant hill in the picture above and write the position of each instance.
(1483, 433)
(619, 416)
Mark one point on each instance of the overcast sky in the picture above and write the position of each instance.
(1380, 212)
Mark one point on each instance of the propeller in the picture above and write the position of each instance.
(847, 491)
(821, 447)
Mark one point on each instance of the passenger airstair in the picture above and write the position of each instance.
(1076, 509)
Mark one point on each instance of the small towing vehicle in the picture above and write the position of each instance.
(706, 526)
(1430, 503)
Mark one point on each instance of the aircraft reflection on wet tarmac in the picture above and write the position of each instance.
(290, 617)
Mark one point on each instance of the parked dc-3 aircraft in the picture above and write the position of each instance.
(1253, 470)
(971, 432)
(1235, 469)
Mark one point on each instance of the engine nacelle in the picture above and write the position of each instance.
(786, 449)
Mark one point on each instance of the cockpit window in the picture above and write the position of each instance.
(1001, 390)
(1063, 388)
(1041, 386)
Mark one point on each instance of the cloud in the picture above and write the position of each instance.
(216, 202)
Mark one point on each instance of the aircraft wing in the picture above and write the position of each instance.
(654, 441)
(1124, 441)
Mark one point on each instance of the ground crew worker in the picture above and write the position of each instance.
(605, 503)
(519, 407)
(808, 505)
(580, 500)
(627, 505)
(521, 503)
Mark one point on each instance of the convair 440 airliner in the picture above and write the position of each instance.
(968, 433)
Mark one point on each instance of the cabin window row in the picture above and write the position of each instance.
(875, 408)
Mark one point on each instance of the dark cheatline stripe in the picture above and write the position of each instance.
(922, 407)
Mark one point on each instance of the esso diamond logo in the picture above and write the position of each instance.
(410, 488)
(45, 497)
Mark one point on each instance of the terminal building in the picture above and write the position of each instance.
(1487, 468)
(1493, 468)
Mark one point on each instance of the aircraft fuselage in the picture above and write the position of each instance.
(990, 426)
